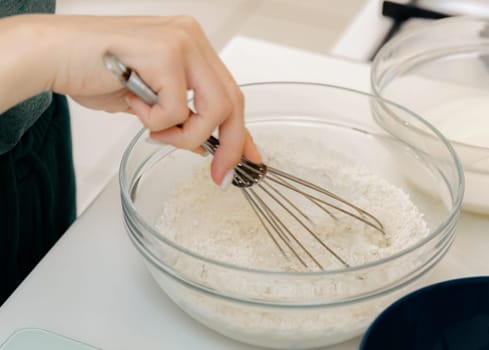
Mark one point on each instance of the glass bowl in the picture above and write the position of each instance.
(332, 306)
(441, 72)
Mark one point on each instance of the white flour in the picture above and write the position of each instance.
(221, 225)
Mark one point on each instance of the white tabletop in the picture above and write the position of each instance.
(93, 287)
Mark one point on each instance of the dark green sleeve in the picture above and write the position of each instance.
(37, 194)
(19, 118)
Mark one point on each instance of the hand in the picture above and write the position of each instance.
(172, 55)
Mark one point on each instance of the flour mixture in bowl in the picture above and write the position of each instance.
(222, 226)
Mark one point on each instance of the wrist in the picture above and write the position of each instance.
(41, 50)
(27, 66)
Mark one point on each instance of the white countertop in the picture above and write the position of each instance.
(93, 287)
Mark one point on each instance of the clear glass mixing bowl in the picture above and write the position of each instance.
(250, 305)
(441, 72)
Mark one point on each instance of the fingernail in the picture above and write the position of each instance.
(202, 151)
(153, 141)
(228, 179)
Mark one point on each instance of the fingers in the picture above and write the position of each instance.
(193, 133)
(250, 150)
(193, 64)
(138, 107)
(171, 108)
(213, 107)
(231, 139)
(220, 167)
(234, 137)
(153, 138)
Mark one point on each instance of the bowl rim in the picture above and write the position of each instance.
(398, 39)
(415, 294)
(150, 258)
(453, 213)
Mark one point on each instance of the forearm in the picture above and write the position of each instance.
(64, 54)
(25, 65)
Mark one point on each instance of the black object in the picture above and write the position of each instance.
(452, 315)
(401, 13)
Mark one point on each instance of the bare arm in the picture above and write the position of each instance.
(172, 54)
(24, 68)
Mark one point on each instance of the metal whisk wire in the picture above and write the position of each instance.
(258, 176)
(252, 177)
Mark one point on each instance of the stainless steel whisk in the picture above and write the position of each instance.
(264, 188)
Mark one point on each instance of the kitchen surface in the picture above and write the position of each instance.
(95, 289)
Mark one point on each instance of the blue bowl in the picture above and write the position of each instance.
(451, 315)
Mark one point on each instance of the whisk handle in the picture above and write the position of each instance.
(133, 82)
(130, 79)
(247, 172)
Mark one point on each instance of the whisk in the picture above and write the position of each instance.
(269, 190)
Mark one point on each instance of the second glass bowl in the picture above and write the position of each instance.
(441, 72)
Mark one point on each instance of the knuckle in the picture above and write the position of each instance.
(224, 109)
(171, 50)
(181, 37)
(168, 116)
(155, 125)
(188, 22)
(179, 113)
